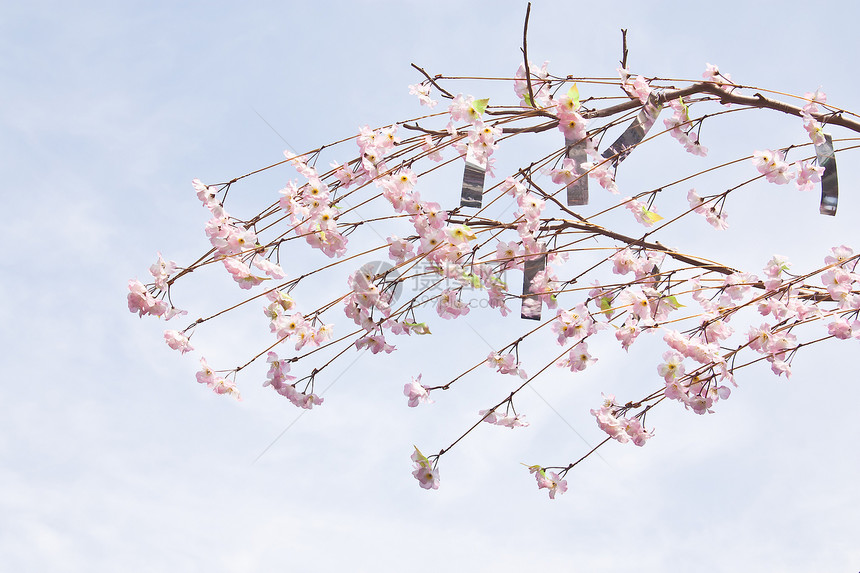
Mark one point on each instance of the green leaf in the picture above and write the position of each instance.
(467, 232)
(605, 303)
(497, 281)
(422, 459)
(573, 94)
(651, 216)
(528, 100)
(673, 302)
(685, 108)
(418, 327)
(480, 105)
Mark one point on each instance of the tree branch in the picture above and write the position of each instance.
(756, 101)
(443, 91)
(623, 48)
(526, 56)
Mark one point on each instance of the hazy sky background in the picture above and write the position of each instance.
(113, 458)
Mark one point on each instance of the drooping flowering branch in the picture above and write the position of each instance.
(378, 233)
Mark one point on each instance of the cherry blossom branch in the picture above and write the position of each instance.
(472, 248)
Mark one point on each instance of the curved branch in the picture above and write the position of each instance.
(756, 101)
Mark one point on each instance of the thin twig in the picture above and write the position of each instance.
(443, 91)
(623, 48)
(526, 56)
(417, 127)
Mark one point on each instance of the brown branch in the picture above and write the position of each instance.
(526, 55)
(633, 242)
(755, 101)
(760, 101)
(623, 48)
(534, 129)
(417, 127)
(443, 91)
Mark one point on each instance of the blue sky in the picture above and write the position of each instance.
(111, 456)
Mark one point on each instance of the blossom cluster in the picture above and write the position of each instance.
(477, 144)
(570, 122)
(776, 170)
(540, 85)
(309, 206)
(505, 364)
(285, 324)
(218, 384)
(812, 126)
(508, 421)
(717, 218)
(620, 428)
(681, 128)
(549, 481)
(279, 379)
(423, 93)
(638, 88)
(142, 300)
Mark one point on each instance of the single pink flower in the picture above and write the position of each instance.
(177, 341)
(417, 393)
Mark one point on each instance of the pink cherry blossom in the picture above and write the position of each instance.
(571, 124)
(713, 74)
(461, 109)
(773, 166)
(205, 193)
(566, 174)
(375, 344)
(636, 431)
(241, 273)
(506, 364)
(814, 98)
(424, 472)
(578, 359)
(808, 175)
(627, 334)
(638, 88)
(273, 270)
(839, 255)
(552, 482)
(177, 341)
(672, 367)
(450, 306)
(224, 386)
(161, 271)
(141, 301)
(423, 93)
(417, 393)
(492, 417)
(540, 87)
(433, 152)
(813, 128)
(841, 328)
(206, 375)
(643, 213)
